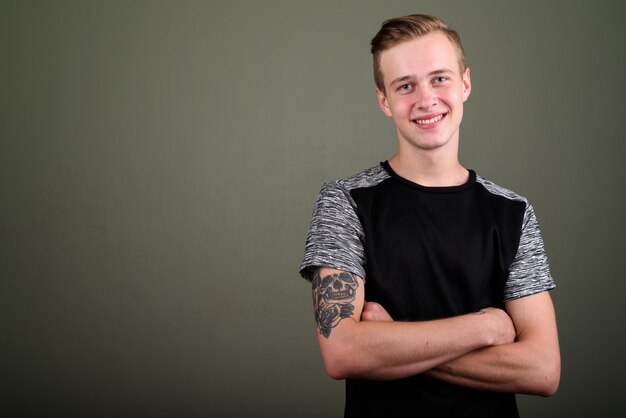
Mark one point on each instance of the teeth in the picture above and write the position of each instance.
(426, 121)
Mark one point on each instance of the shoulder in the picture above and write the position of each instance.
(339, 190)
(336, 234)
(507, 202)
(366, 178)
(500, 191)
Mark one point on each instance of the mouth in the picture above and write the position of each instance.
(340, 295)
(429, 121)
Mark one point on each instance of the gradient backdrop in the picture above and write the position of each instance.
(159, 162)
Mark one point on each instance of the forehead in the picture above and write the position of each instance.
(419, 56)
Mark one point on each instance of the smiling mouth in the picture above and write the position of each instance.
(429, 121)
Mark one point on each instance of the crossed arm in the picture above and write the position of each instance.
(490, 350)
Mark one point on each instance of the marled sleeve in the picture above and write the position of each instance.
(335, 237)
(529, 272)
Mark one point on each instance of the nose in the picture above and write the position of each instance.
(425, 98)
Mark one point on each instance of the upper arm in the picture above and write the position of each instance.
(535, 324)
(337, 295)
(334, 259)
(335, 234)
(533, 317)
(338, 298)
(529, 272)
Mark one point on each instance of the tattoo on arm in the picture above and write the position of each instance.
(332, 299)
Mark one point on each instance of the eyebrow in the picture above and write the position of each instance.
(409, 77)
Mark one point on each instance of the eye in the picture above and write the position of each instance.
(326, 281)
(440, 79)
(405, 88)
(347, 278)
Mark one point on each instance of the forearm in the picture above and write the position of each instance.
(531, 365)
(394, 350)
(518, 367)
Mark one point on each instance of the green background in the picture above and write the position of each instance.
(159, 162)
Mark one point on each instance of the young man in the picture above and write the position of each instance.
(430, 283)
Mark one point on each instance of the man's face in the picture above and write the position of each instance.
(425, 91)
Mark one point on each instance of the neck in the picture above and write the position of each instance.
(430, 168)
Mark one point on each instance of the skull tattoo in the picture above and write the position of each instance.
(333, 296)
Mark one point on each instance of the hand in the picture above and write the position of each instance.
(373, 311)
(501, 326)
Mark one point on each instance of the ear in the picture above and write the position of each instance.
(467, 84)
(382, 102)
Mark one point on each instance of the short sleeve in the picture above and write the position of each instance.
(335, 237)
(529, 272)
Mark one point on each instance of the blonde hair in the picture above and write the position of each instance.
(405, 28)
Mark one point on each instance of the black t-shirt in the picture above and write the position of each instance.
(427, 253)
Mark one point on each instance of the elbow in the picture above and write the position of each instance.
(547, 388)
(338, 367)
(340, 364)
(551, 383)
(336, 372)
(547, 380)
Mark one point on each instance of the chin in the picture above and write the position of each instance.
(429, 145)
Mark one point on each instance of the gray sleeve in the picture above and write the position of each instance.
(335, 235)
(529, 272)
